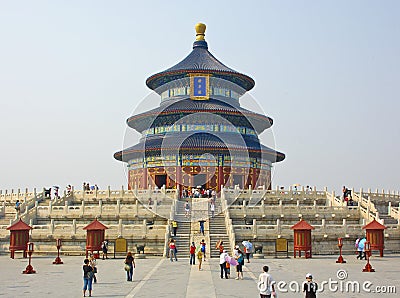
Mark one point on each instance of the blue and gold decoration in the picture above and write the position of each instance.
(199, 87)
(199, 130)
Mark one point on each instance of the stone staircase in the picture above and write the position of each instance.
(183, 235)
(218, 232)
(383, 214)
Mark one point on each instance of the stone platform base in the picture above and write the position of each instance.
(258, 256)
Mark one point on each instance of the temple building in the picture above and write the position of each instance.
(199, 136)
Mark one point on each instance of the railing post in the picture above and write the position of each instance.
(144, 228)
(155, 206)
(51, 226)
(120, 227)
(122, 191)
(108, 191)
(66, 207)
(254, 227)
(278, 226)
(119, 206)
(83, 208)
(100, 207)
(74, 227)
(390, 208)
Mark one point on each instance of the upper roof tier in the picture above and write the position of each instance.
(200, 60)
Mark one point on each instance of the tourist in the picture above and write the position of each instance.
(203, 249)
(248, 250)
(96, 188)
(18, 206)
(228, 269)
(172, 250)
(213, 195)
(87, 278)
(84, 186)
(360, 246)
(212, 209)
(69, 190)
(266, 284)
(187, 209)
(130, 261)
(56, 196)
(174, 227)
(200, 258)
(235, 251)
(104, 248)
(220, 246)
(310, 287)
(239, 266)
(201, 222)
(222, 264)
(192, 253)
(93, 264)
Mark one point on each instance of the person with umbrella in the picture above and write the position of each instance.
(361, 248)
(248, 247)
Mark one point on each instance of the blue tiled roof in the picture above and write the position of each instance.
(203, 142)
(200, 60)
(186, 106)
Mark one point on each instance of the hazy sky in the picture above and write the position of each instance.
(327, 72)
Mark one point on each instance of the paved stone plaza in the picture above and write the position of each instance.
(158, 277)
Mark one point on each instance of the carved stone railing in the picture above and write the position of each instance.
(228, 221)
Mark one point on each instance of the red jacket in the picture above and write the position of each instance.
(192, 249)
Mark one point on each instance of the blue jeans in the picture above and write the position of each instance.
(172, 253)
(87, 284)
(129, 273)
(192, 259)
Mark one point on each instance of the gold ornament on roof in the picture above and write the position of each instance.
(200, 29)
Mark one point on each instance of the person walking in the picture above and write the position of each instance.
(222, 264)
(310, 287)
(361, 248)
(18, 207)
(172, 250)
(239, 266)
(174, 227)
(187, 209)
(200, 258)
(201, 222)
(203, 249)
(93, 264)
(248, 250)
(130, 261)
(192, 253)
(266, 284)
(104, 248)
(212, 209)
(87, 277)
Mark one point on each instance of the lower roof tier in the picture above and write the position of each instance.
(171, 112)
(195, 143)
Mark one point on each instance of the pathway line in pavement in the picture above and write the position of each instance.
(200, 283)
(136, 289)
(251, 274)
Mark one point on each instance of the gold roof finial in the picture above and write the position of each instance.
(200, 29)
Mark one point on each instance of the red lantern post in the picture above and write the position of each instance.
(340, 245)
(58, 260)
(29, 268)
(367, 248)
